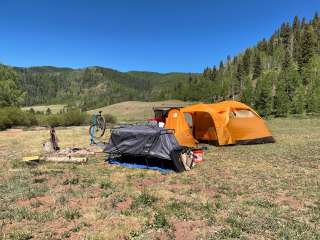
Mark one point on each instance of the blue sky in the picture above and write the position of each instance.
(163, 35)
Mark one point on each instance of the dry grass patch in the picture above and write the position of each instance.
(241, 192)
(135, 110)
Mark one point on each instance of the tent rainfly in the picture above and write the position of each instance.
(224, 123)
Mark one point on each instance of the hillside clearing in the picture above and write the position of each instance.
(266, 191)
(43, 108)
(135, 110)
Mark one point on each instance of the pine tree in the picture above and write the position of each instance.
(311, 72)
(296, 38)
(286, 60)
(246, 61)
(190, 79)
(247, 95)
(214, 73)
(281, 99)
(263, 94)
(290, 76)
(308, 45)
(298, 101)
(285, 34)
(240, 77)
(206, 72)
(313, 105)
(257, 67)
(221, 65)
(263, 45)
(315, 21)
(316, 27)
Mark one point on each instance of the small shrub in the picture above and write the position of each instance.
(31, 110)
(21, 213)
(31, 119)
(263, 203)
(87, 182)
(54, 120)
(12, 116)
(71, 214)
(178, 209)
(80, 226)
(36, 191)
(109, 118)
(20, 235)
(74, 118)
(207, 211)
(5, 121)
(219, 204)
(116, 200)
(40, 180)
(66, 234)
(226, 233)
(105, 184)
(143, 200)
(62, 200)
(71, 181)
(160, 220)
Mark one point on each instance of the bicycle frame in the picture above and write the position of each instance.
(94, 124)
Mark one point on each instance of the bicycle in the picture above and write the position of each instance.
(97, 127)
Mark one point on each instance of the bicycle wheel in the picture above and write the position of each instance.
(101, 124)
(95, 132)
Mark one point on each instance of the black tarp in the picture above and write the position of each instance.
(142, 140)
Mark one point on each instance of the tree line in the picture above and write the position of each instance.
(278, 76)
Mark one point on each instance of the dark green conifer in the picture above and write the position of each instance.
(308, 44)
(263, 94)
(257, 67)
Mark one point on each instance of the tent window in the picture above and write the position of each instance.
(241, 113)
(188, 118)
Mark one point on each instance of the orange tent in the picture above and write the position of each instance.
(224, 123)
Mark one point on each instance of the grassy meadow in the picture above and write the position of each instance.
(43, 108)
(135, 110)
(269, 191)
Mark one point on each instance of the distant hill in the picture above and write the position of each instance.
(94, 87)
(278, 76)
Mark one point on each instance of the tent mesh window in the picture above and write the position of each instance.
(241, 113)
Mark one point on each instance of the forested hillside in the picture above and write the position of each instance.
(279, 76)
(90, 87)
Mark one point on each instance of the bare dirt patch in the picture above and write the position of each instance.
(186, 230)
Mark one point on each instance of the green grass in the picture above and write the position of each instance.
(266, 191)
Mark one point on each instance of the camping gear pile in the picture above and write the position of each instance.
(53, 153)
(224, 123)
(150, 144)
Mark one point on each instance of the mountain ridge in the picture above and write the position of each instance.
(277, 76)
